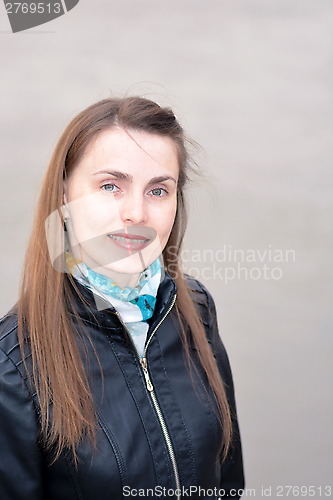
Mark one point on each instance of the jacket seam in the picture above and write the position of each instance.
(116, 450)
(104, 327)
(73, 477)
(4, 333)
(207, 306)
(20, 375)
(136, 404)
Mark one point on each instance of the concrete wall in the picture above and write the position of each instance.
(250, 80)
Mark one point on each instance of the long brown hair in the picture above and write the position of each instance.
(58, 373)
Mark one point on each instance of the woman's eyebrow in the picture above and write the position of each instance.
(129, 178)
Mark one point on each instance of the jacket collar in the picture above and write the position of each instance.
(95, 310)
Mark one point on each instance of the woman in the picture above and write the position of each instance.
(114, 380)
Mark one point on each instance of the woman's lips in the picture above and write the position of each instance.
(129, 241)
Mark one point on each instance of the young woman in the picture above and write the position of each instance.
(114, 382)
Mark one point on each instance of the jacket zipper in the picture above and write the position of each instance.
(150, 388)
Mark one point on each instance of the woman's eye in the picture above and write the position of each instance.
(110, 188)
(159, 192)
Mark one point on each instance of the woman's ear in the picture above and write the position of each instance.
(64, 208)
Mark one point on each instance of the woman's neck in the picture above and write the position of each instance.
(123, 280)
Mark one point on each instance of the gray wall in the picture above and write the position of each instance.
(250, 80)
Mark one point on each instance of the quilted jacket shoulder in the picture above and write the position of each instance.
(9, 344)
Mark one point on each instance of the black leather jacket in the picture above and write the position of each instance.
(157, 427)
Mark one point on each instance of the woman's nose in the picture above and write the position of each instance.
(133, 209)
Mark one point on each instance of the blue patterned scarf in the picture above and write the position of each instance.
(135, 305)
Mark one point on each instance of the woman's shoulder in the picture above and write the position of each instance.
(207, 310)
(199, 292)
(9, 344)
(204, 302)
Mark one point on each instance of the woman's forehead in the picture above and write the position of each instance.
(132, 150)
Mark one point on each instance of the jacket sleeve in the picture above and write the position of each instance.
(232, 472)
(20, 460)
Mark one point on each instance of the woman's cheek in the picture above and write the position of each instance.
(86, 226)
(166, 223)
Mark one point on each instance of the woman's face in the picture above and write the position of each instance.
(121, 200)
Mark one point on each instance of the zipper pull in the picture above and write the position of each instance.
(143, 363)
